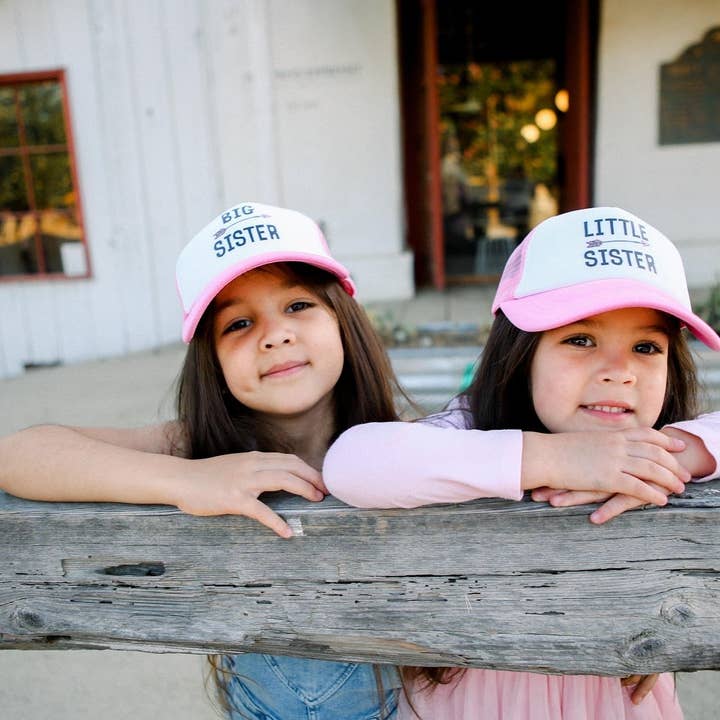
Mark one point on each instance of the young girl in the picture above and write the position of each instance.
(587, 337)
(280, 361)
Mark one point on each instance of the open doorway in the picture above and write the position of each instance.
(497, 127)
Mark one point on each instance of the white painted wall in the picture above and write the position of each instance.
(183, 107)
(338, 131)
(674, 187)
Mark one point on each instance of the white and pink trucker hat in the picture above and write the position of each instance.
(242, 238)
(590, 261)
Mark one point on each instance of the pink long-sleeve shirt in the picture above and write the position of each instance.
(439, 460)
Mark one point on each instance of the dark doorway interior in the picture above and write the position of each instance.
(497, 126)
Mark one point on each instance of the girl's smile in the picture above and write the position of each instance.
(606, 372)
(278, 345)
(284, 369)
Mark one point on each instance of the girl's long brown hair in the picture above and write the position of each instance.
(500, 398)
(213, 422)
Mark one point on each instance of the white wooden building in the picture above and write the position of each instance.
(179, 108)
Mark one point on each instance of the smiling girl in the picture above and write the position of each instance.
(579, 347)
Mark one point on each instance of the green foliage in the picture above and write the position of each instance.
(485, 106)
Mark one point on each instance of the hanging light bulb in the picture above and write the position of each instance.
(530, 132)
(545, 119)
(562, 100)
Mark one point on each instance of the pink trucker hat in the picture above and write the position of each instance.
(242, 238)
(590, 261)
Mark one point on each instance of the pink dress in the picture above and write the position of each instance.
(437, 461)
(503, 695)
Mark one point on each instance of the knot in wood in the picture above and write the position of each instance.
(645, 645)
(28, 619)
(679, 613)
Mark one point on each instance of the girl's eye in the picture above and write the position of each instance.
(236, 325)
(647, 348)
(579, 341)
(298, 306)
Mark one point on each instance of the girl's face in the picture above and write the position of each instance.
(278, 345)
(606, 372)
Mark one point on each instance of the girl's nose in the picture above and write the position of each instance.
(618, 368)
(277, 334)
(269, 345)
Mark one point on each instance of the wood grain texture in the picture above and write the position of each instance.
(518, 586)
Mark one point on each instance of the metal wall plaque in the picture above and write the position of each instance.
(690, 94)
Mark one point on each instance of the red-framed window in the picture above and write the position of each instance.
(41, 228)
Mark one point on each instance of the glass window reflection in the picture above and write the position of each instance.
(52, 180)
(13, 190)
(43, 114)
(18, 252)
(9, 136)
(40, 227)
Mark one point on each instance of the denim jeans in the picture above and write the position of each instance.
(274, 687)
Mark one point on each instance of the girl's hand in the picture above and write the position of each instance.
(613, 505)
(231, 485)
(645, 683)
(640, 463)
(695, 458)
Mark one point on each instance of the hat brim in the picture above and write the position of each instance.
(203, 301)
(562, 306)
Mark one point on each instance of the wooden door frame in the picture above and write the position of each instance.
(580, 72)
(420, 109)
(420, 120)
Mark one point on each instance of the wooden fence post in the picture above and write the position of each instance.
(517, 586)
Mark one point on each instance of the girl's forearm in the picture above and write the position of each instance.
(57, 463)
(399, 464)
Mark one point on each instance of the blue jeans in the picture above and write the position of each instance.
(274, 687)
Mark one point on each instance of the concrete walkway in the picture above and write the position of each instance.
(86, 685)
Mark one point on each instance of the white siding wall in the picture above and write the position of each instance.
(182, 107)
(675, 187)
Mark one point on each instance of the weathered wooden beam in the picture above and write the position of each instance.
(496, 584)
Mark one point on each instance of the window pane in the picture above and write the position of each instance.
(13, 194)
(52, 181)
(42, 113)
(8, 118)
(61, 240)
(17, 244)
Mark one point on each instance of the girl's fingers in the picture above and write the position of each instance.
(577, 497)
(615, 506)
(264, 515)
(646, 684)
(543, 494)
(647, 493)
(655, 437)
(650, 471)
(273, 480)
(662, 458)
(294, 465)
